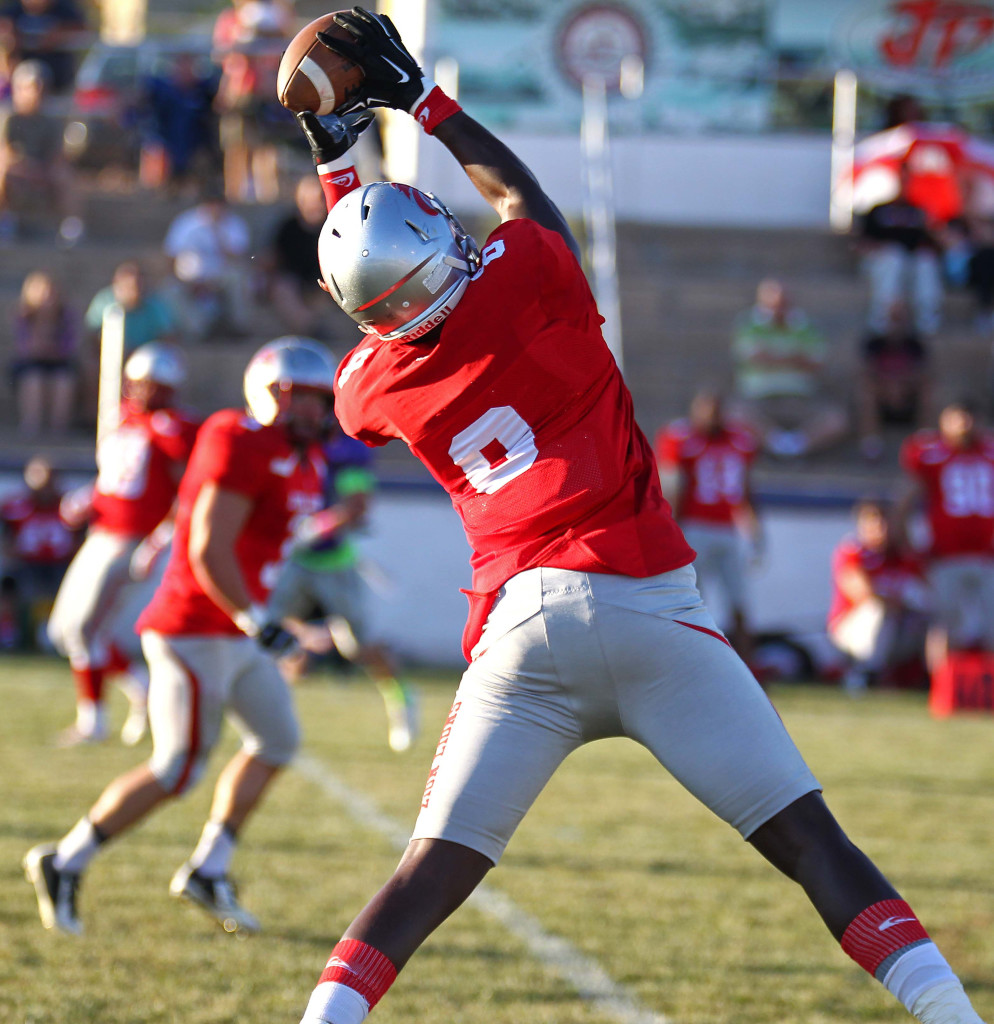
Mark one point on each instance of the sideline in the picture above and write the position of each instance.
(558, 957)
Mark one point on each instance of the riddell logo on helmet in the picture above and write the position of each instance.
(428, 325)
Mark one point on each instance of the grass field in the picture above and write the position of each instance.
(615, 859)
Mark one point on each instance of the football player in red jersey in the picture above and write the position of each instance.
(209, 646)
(139, 465)
(704, 465)
(951, 472)
(585, 621)
(880, 600)
(37, 543)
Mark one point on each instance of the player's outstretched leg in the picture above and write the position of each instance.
(433, 878)
(204, 879)
(863, 911)
(55, 869)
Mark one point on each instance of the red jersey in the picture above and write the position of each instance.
(284, 486)
(138, 464)
(959, 491)
(893, 574)
(714, 470)
(36, 533)
(517, 408)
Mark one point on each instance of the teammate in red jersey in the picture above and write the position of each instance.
(704, 465)
(251, 479)
(880, 599)
(37, 545)
(951, 472)
(139, 465)
(585, 620)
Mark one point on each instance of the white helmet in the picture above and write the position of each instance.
(158, 363)
(395, 259)
(278, 366)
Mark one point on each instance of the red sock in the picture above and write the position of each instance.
(117, 660)
(362, 968)
(89, 684)
(881, 934)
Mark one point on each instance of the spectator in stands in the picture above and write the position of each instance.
(209, 245)
(893, 386)
(294, 272)
(37, 546)
(43, 370)
(901, 259)
(33, 167)
(179, 123)
(48, 31)
(951, 473)
(704, 465)
(248, 39)
(980, 275)
(880, 602)
(779, 365)
(148, 316)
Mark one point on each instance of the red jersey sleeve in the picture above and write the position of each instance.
(667, 447)
(910, 455)
(174, 434)
(224, 453)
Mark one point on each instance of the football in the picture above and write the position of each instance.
(313, 78)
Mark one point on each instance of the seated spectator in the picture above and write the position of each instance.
(48, 31)
(37, 546)
(893, 382)
(148, 316)
(301, 305)
(980, 273)
(901, 262)
(179, 123)
(880, 602)
(779, 362)
(43, 370)
(209, 245)
(33, 169)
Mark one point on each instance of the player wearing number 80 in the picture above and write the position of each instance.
(952, 471)
(585, 619)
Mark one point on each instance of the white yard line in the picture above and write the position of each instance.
(557, 956)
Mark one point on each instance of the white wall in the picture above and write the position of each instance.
(415, 540)
(749, 181)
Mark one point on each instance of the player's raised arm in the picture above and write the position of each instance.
(330, 138)
(394, 79)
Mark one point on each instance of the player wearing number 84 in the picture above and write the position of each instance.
(585, 620)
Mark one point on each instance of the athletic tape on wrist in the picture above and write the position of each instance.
(433, 107)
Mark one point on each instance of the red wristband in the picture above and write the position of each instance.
(336, 183)
(435, 108)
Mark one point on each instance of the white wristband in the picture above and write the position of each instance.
(250, 620)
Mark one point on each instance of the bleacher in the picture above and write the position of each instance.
(681, 289)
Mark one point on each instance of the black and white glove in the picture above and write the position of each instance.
(331, 136)
(266, 632)
(276, 640)
(392, 76)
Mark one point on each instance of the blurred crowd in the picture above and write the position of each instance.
(193, 124)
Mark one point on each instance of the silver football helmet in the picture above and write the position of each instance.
(280, 365)
(395, 259)
(156, 362)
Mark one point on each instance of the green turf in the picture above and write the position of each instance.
(615, 858)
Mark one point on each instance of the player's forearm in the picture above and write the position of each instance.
(217, 572)
(500, 177)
